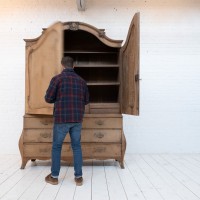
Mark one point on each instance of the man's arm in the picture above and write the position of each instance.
(50, 96)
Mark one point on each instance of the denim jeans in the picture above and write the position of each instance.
(59, 133)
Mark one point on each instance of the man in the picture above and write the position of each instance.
(69, 93)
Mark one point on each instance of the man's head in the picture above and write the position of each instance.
(67, 62)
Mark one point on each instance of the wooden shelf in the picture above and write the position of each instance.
(96, 65)
(91, 52)
(102, 83)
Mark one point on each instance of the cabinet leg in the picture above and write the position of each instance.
(24, 161)
(123, 150)
(121, 164)
(21, 147)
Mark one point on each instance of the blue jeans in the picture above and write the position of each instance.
(59, 133)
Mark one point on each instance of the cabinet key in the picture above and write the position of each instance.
(99, 135)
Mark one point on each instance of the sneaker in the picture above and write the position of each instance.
(79, 181)
(51, 180)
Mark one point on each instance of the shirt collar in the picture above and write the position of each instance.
(68, 70)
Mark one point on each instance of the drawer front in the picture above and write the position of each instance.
(87, 135)
(104, 108)
(88, 150)
(44, 150)
(37, 135)
(101, 135)
(40, 135)
(100, 122)
(101, 150)
(34, 122)
(88, 122)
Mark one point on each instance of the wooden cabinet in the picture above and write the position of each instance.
(112, 75)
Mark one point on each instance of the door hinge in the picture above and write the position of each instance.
(137, 77)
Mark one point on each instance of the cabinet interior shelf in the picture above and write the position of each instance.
(96, 65)
(102, 83)
(90, 52)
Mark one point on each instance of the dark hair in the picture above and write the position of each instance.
(67, 62)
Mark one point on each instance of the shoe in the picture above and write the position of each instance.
(51, 180)
(79, 181)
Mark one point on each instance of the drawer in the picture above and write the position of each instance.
(44, 150)
(88, 150)
(101, 122)
(103, 108)
(103, 151)
(88, 122)
(101, 135)
(38, 122)
(39, 135)
(87, 135)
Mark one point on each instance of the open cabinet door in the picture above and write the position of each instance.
(129, 61)
(43, 56)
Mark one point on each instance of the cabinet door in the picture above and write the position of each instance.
(129, 62)
(42, 63)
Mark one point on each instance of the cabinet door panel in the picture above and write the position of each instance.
(42, 63)
(129, 61)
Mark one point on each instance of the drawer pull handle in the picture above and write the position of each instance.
(99, 122)
(45, 135)
(99, 149)
(99, 135)
(45, 122)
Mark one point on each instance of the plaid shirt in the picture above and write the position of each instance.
(69, 93)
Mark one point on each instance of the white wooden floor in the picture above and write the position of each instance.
(145, 177)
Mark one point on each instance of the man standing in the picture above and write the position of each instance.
(69, 93)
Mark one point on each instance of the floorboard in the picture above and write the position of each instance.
(99, 182)
(145, 177)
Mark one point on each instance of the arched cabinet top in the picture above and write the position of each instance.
(99, 33)
(75, 26)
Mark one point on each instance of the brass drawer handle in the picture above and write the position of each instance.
(45, 122)
(99, 149)
(99, 122)
(45, 135)
(99, 135)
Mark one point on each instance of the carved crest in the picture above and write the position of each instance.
(74, 26)
(102, 33)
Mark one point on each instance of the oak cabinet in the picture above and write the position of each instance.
(112, 75)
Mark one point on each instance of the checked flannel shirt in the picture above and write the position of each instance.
(69, 93)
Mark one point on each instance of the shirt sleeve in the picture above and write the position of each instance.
(51, 92)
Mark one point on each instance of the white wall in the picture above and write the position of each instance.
(170, 66)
